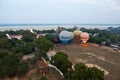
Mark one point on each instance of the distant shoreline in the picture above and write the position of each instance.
(53, 26)
(43, 24)
(25, 28)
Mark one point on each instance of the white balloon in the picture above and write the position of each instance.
(64, 36)
(71, 35)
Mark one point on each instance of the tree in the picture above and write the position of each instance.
(16, 43)
(114, 38)
(60, 60)
(4, 43)
(80, 66)
(43, 78)
(82, 72)
(29, 37)
(2, 34)
(9, 65)
(95, 74)
(43, 44)
(49, 37)
(23, 67)
(3, 53)
(26, 49)
(66, 65)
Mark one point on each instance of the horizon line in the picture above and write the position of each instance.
(59, 23)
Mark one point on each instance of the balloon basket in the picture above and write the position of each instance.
(84, 45)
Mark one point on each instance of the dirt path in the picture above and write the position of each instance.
(27, 76)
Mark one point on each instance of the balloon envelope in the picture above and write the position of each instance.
(84, 37)
(71, 36)
(55, 37)
(64, 37)
(77, 34)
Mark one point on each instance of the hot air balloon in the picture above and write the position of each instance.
(77, 34)
(55, 37)
(71, 36)
(84, 37)
(64, 37)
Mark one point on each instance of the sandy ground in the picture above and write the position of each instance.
(104, 58)
(26, 28)
(100, 68)
(46, 27)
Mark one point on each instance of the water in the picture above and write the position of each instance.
(59, 25)
(53, 26)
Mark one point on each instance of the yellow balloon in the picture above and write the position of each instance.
(77, 34)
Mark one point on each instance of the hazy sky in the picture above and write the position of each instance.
(60, 11)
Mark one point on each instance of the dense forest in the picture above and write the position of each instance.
(13, 50)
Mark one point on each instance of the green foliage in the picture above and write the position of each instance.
(80, 66)
(3, 53)
(49, 37)
(16, 43)
(9, 65)
(2, 35)
(95, 74)
(39, 54)
(4, 43)
(11, 51)
(43, 44)
(82, 72)
(20, 46)
(114, 30)
(11, 32)
(60, 60)
(26, 49)
(23, 67)
(43, 78)
(35, 60)
(96, 40)
(28, 37)
(65, 66)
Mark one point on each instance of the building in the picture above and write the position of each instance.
(14, 36)
(40, 35)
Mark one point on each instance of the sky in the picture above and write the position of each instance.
(59, 11)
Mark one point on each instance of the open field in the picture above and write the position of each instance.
(102, 57)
